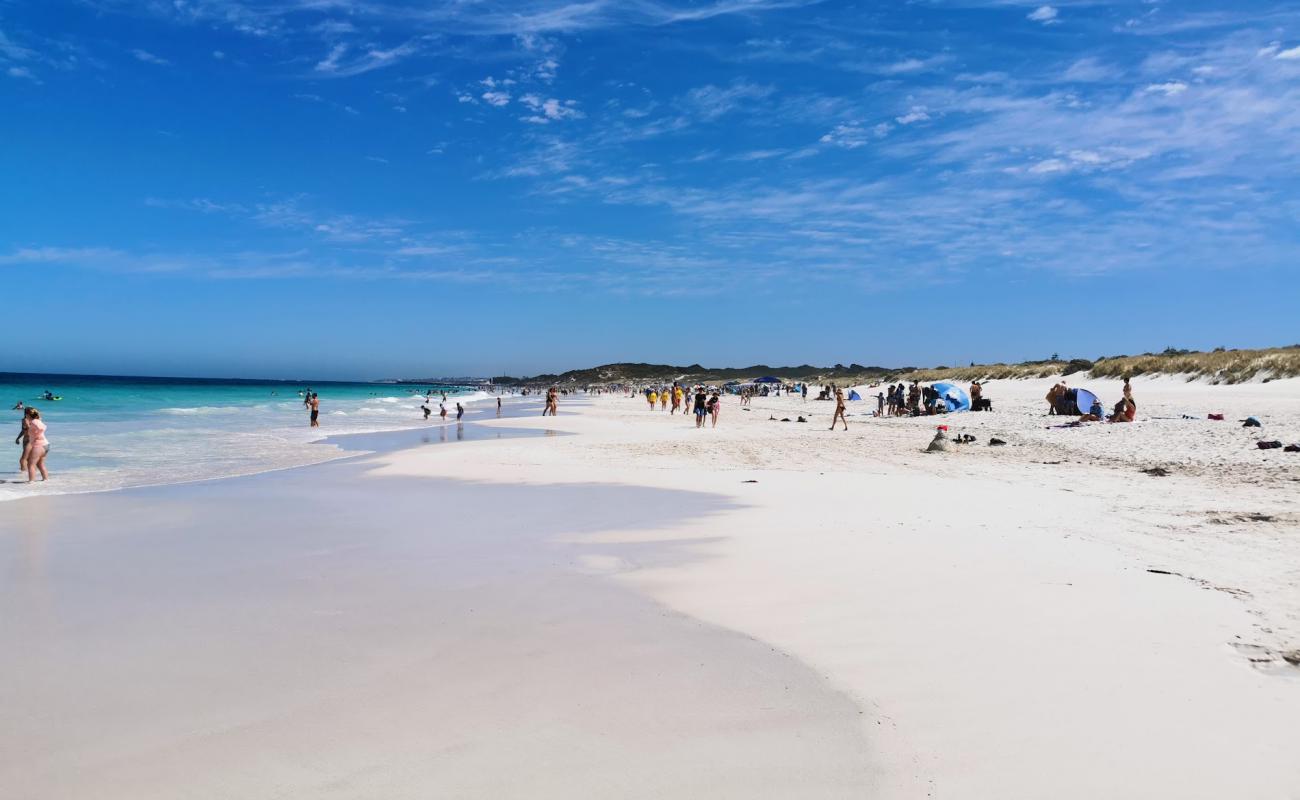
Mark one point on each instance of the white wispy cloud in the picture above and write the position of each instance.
(58, 255)
(1168, 89)
(711, 102)
(371, 58)
(1048, 15)
(916, 114)
(13, 51)
(854, 135)
(149, 58)
(549, 109)
(1090, 69)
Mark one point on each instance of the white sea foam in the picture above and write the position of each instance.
(199, 410)
(132, 445)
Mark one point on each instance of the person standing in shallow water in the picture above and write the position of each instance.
(460, 411)
(22, 440)
(37, 446)
(314, 404)
(839, 409)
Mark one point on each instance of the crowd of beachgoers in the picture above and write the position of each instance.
(703, 404)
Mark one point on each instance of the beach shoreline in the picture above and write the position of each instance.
(996, 624)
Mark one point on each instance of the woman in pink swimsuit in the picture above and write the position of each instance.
(37, 445)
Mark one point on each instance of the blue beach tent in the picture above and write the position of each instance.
(767, 379)
(1084, 399)
(953, 396)
(853, 395)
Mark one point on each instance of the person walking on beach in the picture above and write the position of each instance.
(701, 406)
(552, 401)
(442, 410)
(427, 411)
(653, 397)
(839, 409)
(715, 405)
(460, 411)
(663, 399)
(22, 440)
(880, 404)
(314, 404)
(804, 391)
(37, 446)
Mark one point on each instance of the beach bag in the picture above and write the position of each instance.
(1268, 445)
(1218, 417)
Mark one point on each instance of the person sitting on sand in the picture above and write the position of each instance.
(1125, 409)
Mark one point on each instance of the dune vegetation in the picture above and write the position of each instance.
(1217, 366)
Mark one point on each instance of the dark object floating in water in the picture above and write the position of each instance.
(801, 419)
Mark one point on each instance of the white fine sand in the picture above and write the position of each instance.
(644, 609)
(992, 614)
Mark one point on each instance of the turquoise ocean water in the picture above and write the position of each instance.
(111, 432)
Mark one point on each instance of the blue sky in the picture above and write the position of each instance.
(371, 188)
